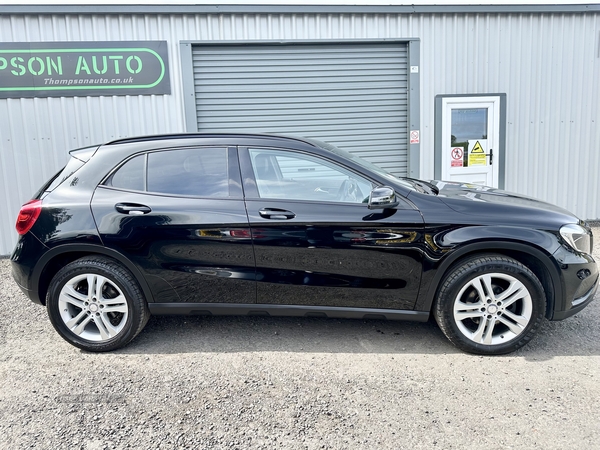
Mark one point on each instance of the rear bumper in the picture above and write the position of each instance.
(30, 294)
(23, 260)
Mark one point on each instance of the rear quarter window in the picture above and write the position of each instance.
(78, 158)
(72, 166)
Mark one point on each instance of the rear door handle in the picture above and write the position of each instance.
(133, 209)
(276, 213)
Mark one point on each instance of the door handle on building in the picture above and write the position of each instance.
(491, 155)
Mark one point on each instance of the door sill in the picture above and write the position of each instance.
(245, 309)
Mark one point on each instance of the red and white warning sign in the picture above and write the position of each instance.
(457, 154)
(414, 136)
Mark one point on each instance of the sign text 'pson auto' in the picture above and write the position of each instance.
(68, 69)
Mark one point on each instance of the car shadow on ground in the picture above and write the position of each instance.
(199, 334)
(577, 336)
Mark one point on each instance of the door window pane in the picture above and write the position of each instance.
(468, 124)
(200, 172)
(290, 175)
(130, 175)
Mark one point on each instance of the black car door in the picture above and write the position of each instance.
(315, 240)
(179, 215)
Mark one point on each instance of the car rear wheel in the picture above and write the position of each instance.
(96, 304)
(490, 305)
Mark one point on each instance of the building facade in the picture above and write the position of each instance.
(506, 96)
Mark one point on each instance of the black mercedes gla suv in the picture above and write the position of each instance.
(269, 225)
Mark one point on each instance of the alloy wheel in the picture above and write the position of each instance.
(93, 307)
(493, 309)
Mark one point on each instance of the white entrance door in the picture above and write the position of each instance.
(471, 139)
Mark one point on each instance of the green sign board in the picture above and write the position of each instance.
(79, 69)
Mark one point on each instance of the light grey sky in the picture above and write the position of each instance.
(288, 2)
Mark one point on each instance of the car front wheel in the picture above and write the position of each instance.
(95, 304)
(490, 305)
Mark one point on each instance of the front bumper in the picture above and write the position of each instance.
(580, 280)
(578, 303)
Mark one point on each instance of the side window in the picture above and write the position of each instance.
(200, 172)
(130, 175)
(282, 174)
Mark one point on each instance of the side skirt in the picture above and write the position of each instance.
(242, 309)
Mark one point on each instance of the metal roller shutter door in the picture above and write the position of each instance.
(352, 95)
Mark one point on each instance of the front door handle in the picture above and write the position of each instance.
(133, 209)
(276, 213)
(491, 155)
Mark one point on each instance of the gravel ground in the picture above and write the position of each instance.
(253, 382)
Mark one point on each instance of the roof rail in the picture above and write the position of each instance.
(158, 137)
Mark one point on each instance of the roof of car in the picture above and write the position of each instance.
(164, 137)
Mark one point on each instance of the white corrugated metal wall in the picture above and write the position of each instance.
(547, 64)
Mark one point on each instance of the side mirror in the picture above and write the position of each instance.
(382, 197)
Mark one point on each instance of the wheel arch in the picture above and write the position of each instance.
(53, 260)
(535, 259)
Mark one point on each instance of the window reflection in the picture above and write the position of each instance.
(467, 124)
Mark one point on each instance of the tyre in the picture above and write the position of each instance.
(490, 305)
(96, 304)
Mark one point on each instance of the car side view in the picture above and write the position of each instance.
(241, 224)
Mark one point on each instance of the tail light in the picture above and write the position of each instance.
(29, 213)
